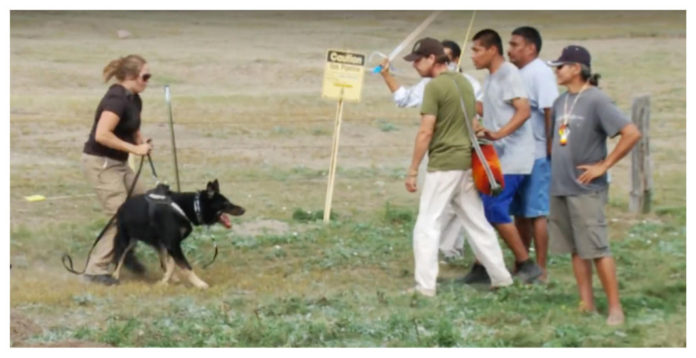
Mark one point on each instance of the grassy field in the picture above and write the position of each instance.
(246, 100)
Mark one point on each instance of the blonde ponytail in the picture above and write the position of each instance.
(123, 67)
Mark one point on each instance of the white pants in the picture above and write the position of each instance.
(452, 237)
(455, 188)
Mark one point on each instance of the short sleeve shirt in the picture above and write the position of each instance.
(542, 90)
(450, 147)
(127, 106)
(516, 151)
(592, 119)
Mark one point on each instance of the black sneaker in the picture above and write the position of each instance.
(477, 274)
(133, 264)
(528, 271)
(105, 279)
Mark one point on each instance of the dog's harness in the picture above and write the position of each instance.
(160, 196)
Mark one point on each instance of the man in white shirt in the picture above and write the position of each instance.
(452, 241)
(531, 206)
(412, 96)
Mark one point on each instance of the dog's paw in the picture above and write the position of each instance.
(202, 285)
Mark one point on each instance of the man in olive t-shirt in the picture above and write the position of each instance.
(443, 133)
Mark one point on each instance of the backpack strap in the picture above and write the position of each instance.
(475, 144)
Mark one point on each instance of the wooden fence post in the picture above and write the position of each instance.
(641, 162)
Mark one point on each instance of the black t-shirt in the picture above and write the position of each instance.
(127, 107)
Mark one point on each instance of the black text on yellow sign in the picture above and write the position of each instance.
(343, 75)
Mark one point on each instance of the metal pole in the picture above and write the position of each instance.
(168, 99)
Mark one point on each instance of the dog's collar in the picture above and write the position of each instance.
(197, 208)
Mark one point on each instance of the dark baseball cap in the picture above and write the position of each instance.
(573, 54)
(425, 47)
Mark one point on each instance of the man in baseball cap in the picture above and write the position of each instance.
(425, 47)
(573, 54)
(451, 240)
(448, 180)
(584, 118)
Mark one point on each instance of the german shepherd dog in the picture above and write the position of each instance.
(163, 219)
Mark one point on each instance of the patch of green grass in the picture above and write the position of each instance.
(677, 213)
(397, 215)
(386, 126)
(376, 314)
(302, 215)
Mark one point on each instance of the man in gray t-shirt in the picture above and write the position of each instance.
(593, 119)
(505, 111)
(584, 118)
(501, 89)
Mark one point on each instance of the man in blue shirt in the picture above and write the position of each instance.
(531, 205)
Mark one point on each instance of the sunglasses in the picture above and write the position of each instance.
(559, 67)
(146, 77)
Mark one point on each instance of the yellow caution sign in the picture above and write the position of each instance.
(343, 75)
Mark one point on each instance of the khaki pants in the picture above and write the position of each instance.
(577, 225)
(452, 235)
(111, 180)
(454, 188)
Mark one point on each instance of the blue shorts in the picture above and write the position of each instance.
(497, 208)
(532, 200)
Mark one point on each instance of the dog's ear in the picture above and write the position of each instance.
(210, 189)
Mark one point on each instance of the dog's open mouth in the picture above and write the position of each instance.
(224, 220)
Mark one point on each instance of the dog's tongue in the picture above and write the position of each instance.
(224, 220)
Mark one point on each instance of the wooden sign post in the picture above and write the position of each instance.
(343, 78)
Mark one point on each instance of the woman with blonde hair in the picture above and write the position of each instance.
(115, 134)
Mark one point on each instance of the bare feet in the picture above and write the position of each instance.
(616, 317)
(586, 308)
